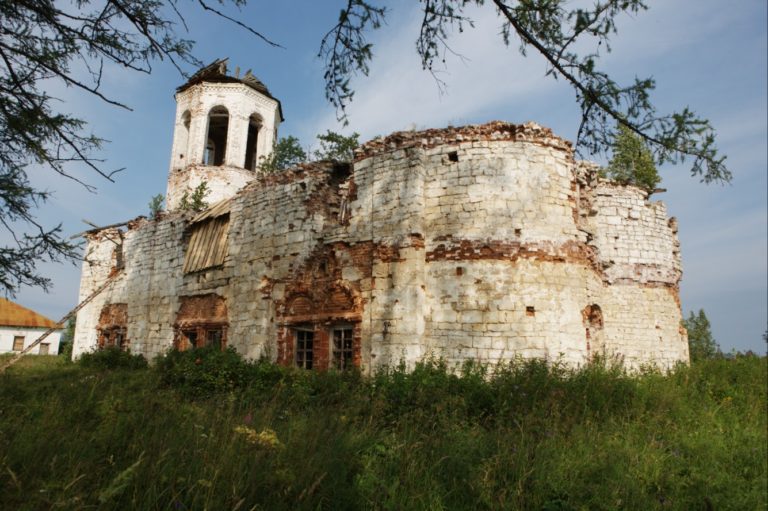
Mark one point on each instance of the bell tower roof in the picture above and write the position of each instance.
(224, 127)
(216, 72)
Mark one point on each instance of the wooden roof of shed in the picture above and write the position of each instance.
(13, 314)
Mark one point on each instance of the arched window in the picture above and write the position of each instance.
(216, 141)
(251, 156)
(183, 140)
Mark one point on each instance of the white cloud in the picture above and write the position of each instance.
(398, 94)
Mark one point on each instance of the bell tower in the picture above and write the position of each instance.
(224, 125)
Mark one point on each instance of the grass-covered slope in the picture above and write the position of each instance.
(206, 430)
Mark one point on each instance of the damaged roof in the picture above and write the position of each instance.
(13, 314)
(216, 72)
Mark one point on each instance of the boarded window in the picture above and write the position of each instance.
(44, 348)
(208, 240)
(18, 343)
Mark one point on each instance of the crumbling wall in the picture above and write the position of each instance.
(113, 322)
(639, 254)
(221, 182)
(482, 242)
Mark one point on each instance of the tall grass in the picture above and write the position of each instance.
(209, 431)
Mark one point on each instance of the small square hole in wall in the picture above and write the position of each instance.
(518, 232)
(459, 271)
(530, 310)
(453, 156)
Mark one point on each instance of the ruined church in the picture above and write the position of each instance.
(487, 242)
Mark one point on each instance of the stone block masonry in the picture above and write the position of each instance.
(482, 242)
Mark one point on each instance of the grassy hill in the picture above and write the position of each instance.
(206, 430)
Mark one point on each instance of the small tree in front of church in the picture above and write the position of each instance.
(632, 161)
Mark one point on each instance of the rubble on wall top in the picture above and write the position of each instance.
(492, 131)
(216, 72)
(299, 172)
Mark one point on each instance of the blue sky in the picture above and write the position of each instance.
(707, 54)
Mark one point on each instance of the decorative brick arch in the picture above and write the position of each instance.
(200, 321)
(327, 310)
(112, 326)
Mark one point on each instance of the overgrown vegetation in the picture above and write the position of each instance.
(207, 430)
(632, 161)
(286, 152)
(156, 206)
(701, 342)
(111, 358)
(335, 146)
(196, 201)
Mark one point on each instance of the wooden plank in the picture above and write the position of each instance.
(207, 244)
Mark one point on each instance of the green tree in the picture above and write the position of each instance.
(196, 201)
(701, 343)
(156, 206)
(570, 39)
(45, 43)
(334, 146)
(68, 338)
(51, 42)
(632, 161)
(286, 153)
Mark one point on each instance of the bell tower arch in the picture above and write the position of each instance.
(224, 125)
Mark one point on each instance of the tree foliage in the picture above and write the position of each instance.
(156, 206)
(632, 161)
(69, 43)
(287, 152)
(44, 43)
(335, 146)
(195, 201)
(554, 29)
(701, 343)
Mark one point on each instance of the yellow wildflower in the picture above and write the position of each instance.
(266, 438)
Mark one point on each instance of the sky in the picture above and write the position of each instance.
(709, 55)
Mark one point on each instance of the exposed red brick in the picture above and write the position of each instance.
(200, 313)
(492, 131)
(468, 250)
(112, 325)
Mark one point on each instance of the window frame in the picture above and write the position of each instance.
(199, 336)
(16, 339)
(300, 358)
(343, 351)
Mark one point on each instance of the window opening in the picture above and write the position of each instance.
(113, 337)
(342, 348)
(191, 336)
(453, 156)
(18, 343)
(186, 119)
(216, 141)
(44, 348)
(213, 338)
(304, 348)
(251, 158)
